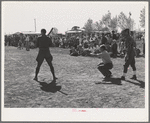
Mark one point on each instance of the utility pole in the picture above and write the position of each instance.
(35, 24)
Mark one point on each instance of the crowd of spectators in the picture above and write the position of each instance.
(78, 44)
(20, 41)
(113, 42)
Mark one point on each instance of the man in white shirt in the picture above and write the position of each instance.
(106, 64)
(27, 43)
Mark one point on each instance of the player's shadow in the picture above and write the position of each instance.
(115, 81)
(51, 87)
(141, 83)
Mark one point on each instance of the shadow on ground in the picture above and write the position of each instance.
(51, 87)
(141, 83)
(116, 81)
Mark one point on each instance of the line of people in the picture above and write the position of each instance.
(20, 41)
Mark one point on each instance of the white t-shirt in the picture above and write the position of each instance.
(27, 39)
(105, 57)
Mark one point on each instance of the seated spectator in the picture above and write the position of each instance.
(97, 50)
(80, 49)
(137, 52)
(108, 47)
(85, 43)
(86, 52)
(73, 51)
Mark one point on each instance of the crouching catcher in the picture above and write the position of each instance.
(106, 64)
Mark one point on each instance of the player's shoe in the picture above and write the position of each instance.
(134, 77)
(55, 78)
(107, 77)
(122, 78)
(36, 79)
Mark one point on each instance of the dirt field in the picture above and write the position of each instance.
(78, 84)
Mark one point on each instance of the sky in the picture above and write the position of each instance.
(20, 16)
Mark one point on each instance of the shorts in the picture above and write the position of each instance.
(44, 54)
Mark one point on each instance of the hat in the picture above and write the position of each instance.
(103, 46)
(125, 30)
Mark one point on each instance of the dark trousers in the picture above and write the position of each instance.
(144, 48)
(104, 68)
(130, 61)
(27, 46)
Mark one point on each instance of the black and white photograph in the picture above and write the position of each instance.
(74, 60)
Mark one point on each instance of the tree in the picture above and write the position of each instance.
(98, 25)
(125, 22)
(89, 26)
(113, 23)
(106, 19)
(142, 18)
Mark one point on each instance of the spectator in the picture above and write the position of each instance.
(73, 51)
(104, 39)
(27, 42)
(80, 49)
(114, 49)
(114, 35)
(143, 38)
(85, 43)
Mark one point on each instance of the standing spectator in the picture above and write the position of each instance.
(27, 43)
(114, 49)
(6, 40)
(60, 42)
(20, 42)
(104, 39)
(114, 35)
(109, 39)
(91, 42)
(34, 41)
(121, 47)
(143, 38)
(96, 42)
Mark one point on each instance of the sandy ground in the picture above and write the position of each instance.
(78, 84)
